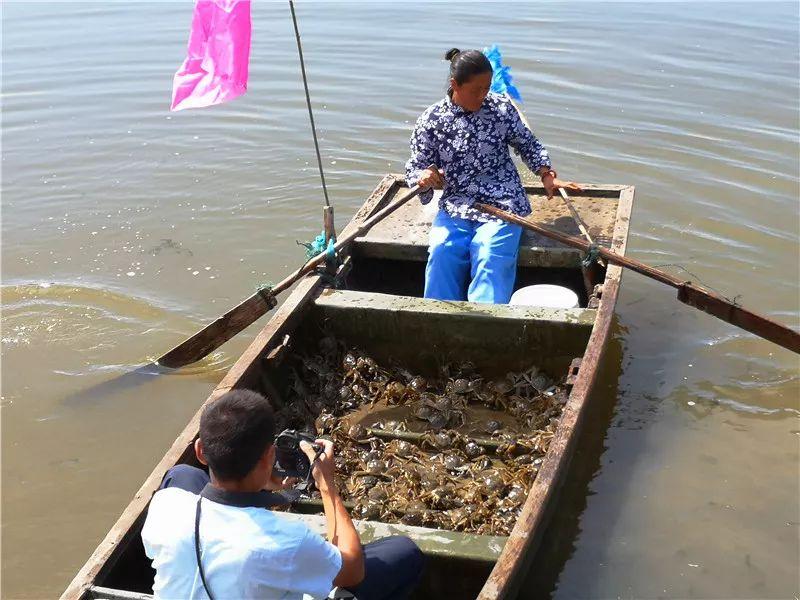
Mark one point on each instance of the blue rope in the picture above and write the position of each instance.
(317, 246)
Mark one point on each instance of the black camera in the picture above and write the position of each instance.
(289, 458)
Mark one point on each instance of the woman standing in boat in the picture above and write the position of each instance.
(473, 256)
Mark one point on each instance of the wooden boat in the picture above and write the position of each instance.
(378, 307)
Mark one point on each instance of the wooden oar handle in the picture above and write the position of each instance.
(688, 292)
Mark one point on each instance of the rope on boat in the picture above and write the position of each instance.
(265, 291)
(317, 246)
(308, 103)
(591, 255)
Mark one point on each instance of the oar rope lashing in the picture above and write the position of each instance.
(318, 246)
(592, 253)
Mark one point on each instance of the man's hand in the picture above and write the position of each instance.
(432, 178)
(323, 467)
(551, 185)
(341, 531)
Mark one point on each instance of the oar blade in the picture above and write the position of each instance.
(724, 309)
(211, 337)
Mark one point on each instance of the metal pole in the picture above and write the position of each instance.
(308, 103)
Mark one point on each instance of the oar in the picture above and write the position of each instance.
(688, 292)
(243, 315)
(564, 196)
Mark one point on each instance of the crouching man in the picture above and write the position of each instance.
(214, 537)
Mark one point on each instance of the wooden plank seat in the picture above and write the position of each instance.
(387, 323)
(404, 234)
(370, 302)
(433, 542)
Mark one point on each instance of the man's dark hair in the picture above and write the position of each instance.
(235, 430)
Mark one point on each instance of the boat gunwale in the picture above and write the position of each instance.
(526, 534)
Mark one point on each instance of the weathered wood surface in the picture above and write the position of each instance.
(434, 542)
(328, 224)
(253, 308)
(404, 235)
(369, 302)
(125, 529)
(529, 256)
(104, 593)
(729, 311)
(420, 332)
(524, 539)
(688, 292)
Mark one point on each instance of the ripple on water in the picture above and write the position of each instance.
(92, 331)
(750, 375)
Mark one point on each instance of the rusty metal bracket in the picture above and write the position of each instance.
(572, 373)
(596, 296)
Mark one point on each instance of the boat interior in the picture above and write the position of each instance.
(376, 305)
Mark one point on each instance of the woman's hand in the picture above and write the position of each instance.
(431, 178)
(552, 184)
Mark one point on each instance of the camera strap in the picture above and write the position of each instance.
(197, 547)
(261, 499)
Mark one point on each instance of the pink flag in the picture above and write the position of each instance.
(215, 69)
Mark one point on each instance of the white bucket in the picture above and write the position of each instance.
(550, 296)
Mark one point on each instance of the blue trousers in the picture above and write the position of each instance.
(393, 565)
(470, 260)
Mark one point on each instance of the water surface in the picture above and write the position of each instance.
(125, 228)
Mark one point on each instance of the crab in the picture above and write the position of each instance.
(442, 440)
(443, 478)
(326, 423)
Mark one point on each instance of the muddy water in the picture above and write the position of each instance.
(125, 228)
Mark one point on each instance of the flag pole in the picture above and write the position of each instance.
(327, 214)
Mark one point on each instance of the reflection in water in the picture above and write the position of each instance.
(131, 378)
(85, 329)
(106, 390)
(558, 541)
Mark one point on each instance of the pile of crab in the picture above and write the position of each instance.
(452, 452)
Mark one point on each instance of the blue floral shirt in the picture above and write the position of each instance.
(472, 150)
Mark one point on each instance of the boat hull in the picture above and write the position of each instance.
(380, 310)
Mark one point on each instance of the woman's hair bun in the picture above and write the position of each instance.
(451, 54)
